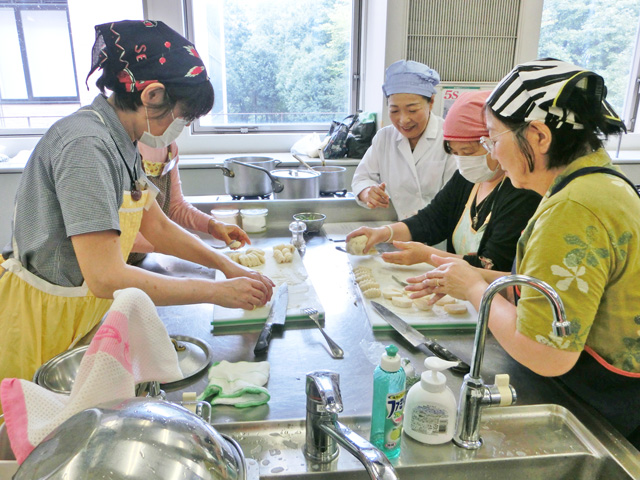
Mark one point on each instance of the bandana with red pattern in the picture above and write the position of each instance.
(141, 52)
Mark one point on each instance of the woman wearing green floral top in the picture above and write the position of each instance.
(546, 121)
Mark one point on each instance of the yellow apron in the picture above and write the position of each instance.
(39, 320)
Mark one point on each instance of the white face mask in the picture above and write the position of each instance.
(170, 135)
(474, 168)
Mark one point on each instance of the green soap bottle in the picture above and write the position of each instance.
(389, 392)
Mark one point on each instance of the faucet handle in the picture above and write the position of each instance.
(324, 387)
(502, 394)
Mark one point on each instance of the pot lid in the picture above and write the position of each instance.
(294, 173)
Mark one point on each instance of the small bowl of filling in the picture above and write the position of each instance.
(313, 221)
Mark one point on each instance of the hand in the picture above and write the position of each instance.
(374, 236)
(241, 292)
(228, 233)
(452, 276)
(410, 253)
(232, 269)
(375, 196)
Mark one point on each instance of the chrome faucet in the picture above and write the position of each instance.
(474, 394)
(324, 431)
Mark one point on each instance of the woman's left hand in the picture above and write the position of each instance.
(228, 233)
(234, 270)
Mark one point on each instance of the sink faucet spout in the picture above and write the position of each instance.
(474, 393)
(325, 432)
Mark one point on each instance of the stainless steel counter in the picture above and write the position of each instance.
(299, 351)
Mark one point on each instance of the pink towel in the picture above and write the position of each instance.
(131, 346)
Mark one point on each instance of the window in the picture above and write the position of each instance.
(602, 36)
(290, 65)
(46, 53)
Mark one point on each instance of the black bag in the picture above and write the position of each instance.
(336, 147)
(361, 135)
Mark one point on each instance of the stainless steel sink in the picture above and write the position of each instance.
(524, 442)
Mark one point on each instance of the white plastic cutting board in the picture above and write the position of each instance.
(437, 318)
(301, 295)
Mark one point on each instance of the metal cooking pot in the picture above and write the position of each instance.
(332, 179)
(249, 176)
(297, 183)
(136, 438)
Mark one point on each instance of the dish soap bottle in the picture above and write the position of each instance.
(430, 414)
(389, 389)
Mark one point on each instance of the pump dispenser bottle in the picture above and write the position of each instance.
(430, 413)
(389, 393)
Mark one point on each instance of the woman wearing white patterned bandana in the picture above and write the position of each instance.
(83, 197)
(547, 120)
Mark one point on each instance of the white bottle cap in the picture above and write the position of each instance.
(431, 379)
(390, 361)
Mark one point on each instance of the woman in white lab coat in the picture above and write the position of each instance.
(405, 165)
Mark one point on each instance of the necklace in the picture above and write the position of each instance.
(488, 200)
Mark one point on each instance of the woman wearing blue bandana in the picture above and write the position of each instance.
(83, 198)
(405, 165)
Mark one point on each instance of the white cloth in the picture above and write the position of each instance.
(412, 178)
(131, 346)
(240, 384)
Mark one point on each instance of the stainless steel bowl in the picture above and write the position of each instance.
(135, 439)
(59, 373)
(312, 220)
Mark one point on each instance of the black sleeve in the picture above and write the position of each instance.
(511, 212)
(437, 221)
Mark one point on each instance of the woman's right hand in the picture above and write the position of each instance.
(374, 236)
(240, 292)
(375, 196)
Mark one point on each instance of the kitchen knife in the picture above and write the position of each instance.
(277, 316)
(418, 340)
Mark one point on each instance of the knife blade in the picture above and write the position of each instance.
(277, 316)
(415, 338)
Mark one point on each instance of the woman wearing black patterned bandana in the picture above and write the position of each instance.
(546, 123)
(83, 197)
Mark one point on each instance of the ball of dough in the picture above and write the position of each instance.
(356, 245)
(234, 245)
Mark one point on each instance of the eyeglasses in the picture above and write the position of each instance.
(489, 143)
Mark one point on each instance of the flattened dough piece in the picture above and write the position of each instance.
(456, 308)
(371, 293)
(422, 303)
(402, 302)
(390, 292)
(446, 300)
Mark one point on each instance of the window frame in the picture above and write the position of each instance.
(37, 5)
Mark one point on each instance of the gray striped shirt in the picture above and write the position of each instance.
(72, 184)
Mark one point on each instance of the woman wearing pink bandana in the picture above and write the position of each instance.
(478, 212)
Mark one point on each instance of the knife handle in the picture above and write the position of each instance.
(441, 352)
(263, 340)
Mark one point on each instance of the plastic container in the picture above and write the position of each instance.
(388, 403)
(226, 216)
(430, 412)
(254, 220)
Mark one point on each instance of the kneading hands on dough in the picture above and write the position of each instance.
(409, 252)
